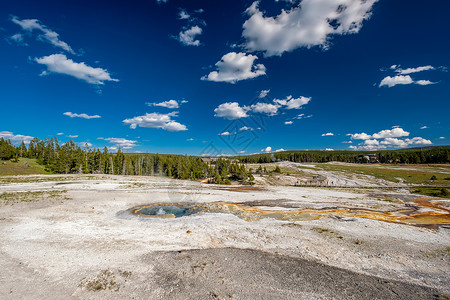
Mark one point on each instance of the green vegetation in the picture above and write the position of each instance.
(428, 155)
(391, 173)
(21, 166)
(434, 192)
(31, 196)
(328, 232)
(70, 158)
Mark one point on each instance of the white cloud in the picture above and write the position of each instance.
(414, 70)
(267, 149)
(302, 116)
(308, 24)
(329, 149)
(183, 15)
(280, 150)
(371, 142)
(60, 133)
(442, 137)
(168, 104)
(288, 123)
(359, 136)
(424, 127)
(18, 38)
(59, 63)
(73, 136)
(328, 134)
(121, 142)
(156, 120)
(83, 116)
(225, 133)
(188, 36)
(293, 103)
(242, 151)
(424, 82)
(388, 137)
(184, 101)
(46, 35)
(391, 133)
(393, 81)
(244, 128)
(265, 108)
(418, 141)
(263, 93)
(231, 111)
(161, 1)
(190, 139)
(15, 138)
(234, 67)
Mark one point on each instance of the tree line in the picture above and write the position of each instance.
(429, 155)
(70, 158)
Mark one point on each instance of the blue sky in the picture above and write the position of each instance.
(226, 77)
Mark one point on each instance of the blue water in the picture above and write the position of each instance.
(177, 211)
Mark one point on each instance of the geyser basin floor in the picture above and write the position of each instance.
(59, 246)
(421, 212)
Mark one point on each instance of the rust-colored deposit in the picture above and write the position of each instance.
(424, 212)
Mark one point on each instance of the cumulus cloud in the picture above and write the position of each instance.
(424, 127)
(307, 24)
(424, 82)
(121, 142)
(188, 36)
(234, 67)
(263, 93)
(245, 128)
(386, 138)
(15, 138)
(288, 123)
(418, 141)
(59, 63)
(168, 104)
(73, 136)
(387, 133)
(225, 133)
(328, 134)
(391, 133)
(265, 108)
(359, 136)
(393, 81)
(442, 137)
(156, 120)
(280, 150)
(404, 78)
(293, 103)
(267, 149)
(83, 115)
(231, 111)
(45, 34)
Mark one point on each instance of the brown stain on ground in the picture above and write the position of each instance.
(433, 216)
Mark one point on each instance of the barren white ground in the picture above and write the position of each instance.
(55, 246)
